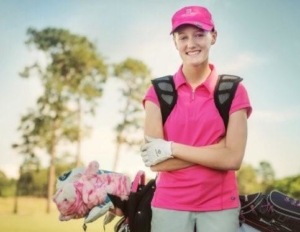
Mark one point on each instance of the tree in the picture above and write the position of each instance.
(73, 76)
(289, 185)
(247, 180)
(24, 185)
(7, 185)
(135, 77)
(75, 70)
(3, 181)
(266, 176)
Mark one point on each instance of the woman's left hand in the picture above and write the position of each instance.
(156, 151)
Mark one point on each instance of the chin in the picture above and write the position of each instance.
(195, 64)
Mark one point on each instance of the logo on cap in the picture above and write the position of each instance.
(198, 24)
(188, 11)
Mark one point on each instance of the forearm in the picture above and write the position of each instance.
(227, 157)
(177, 164)
(171, 165)
(211, 157)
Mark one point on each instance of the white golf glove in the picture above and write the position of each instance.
(156, 151)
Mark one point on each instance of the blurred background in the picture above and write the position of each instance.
(73, 75)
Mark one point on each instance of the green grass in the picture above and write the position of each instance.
(31, 217)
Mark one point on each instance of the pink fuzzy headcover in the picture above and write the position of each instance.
(76, 198)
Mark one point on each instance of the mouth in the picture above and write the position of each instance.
(193, 53)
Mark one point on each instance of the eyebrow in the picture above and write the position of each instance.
(182, 27)
(179, 32)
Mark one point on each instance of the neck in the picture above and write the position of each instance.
(196, 75)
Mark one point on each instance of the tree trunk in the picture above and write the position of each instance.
(51, 182)
(117, 156)
(119, 138)
(51, 173)
(16, 203)
(78, 151)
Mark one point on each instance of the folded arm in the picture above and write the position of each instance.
(228, 157)
(154, 128)
(176, 163)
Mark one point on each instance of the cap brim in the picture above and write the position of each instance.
(202, 26)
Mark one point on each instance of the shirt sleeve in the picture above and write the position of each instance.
(151, 96)
(241, 101)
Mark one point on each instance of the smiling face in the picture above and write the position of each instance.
(193, 44)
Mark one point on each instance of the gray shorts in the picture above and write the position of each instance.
(164, 220)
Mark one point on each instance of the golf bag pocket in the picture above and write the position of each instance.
(284, 211)
(275, 212)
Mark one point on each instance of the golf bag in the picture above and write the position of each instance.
(275, 212)
(137, 213)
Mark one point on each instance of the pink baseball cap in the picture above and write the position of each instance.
(194, 15)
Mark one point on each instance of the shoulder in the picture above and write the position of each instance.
(241, 89)
(150, 96)
(241, 100)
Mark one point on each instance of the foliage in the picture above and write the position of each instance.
(262, 179)
(74, 72)
(266, 176)
(34, 182)
(7, 186)
(247, 180)
(289, 185)
(135, 76)
(72, 76)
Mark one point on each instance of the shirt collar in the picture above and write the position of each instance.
(209, 83)
(211, 80)
(179, 78)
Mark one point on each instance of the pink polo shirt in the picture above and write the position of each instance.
(196, 121)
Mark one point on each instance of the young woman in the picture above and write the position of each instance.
(195, 161)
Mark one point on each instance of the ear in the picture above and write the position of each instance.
(214, 35)
(174, 40)
(91, 169)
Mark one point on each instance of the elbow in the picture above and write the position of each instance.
(232, 166)
(236, 167)
(236, 162)
(154, 168)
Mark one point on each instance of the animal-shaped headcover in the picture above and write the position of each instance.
(81, 190)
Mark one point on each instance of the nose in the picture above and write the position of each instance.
(191, 42)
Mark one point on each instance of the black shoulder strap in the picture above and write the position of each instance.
(224, 94)
(166, 93)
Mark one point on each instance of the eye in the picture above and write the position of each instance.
(200, 35)
(182, 37)
(64, 176)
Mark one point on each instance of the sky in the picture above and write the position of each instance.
(258, 40)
